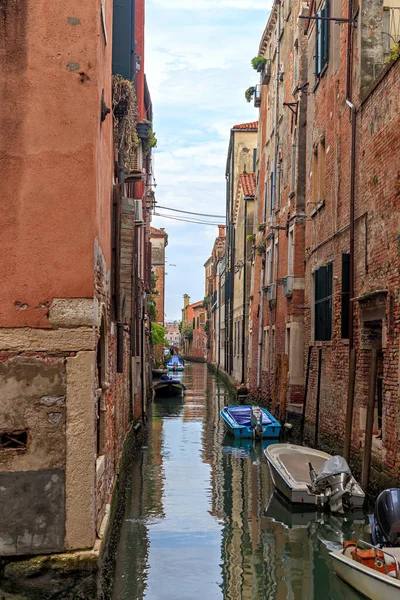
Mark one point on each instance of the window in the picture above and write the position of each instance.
(290, 251)
(322, 40)
(268, 266)
(293, 167)
(275, 275)
(318, 172)
(273, 349)
(265, 349)
(345, 307)
(323, 303)
(272, 192)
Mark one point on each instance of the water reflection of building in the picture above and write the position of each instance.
(267, 555)
(194, 409)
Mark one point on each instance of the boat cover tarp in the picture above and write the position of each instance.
(174, 361)
(242, 416)
(333, 466)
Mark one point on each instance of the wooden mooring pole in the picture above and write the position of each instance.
(350, 405)
(303, 417)
(318, 397)
(366, 466)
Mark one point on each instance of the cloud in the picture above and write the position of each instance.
(198, 55)
(196, 5)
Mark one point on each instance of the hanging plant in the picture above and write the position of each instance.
(260, 247)
(249, 93)
(150, 141)
(261, 226)
(251, 237)
(125, 114)
(258, 63)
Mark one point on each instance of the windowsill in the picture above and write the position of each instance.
(316, 210)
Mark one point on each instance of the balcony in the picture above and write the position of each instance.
(287, 285)
(257, 95)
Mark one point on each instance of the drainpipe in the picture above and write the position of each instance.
(276, 111)
(350, 397)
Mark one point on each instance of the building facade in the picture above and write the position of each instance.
(242, 152)
(214, 297)
(76, 264)
(277, 297)
(324, 299)
(159, 241)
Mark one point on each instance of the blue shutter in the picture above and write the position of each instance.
(123, 55)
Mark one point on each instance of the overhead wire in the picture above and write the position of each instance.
(182, 219)
(190, 213)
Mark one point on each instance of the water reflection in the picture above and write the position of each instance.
(203, 522)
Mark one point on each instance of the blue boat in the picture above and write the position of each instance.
(250, 422)
(175, 364)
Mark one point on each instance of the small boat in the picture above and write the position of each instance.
(250, 422)
(175, 364)
(373, 569)
(307, 476)
(168, 386)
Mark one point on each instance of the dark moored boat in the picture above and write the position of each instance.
(168, 386)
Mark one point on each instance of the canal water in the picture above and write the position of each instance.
(202, 521)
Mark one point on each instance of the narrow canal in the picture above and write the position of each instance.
(202, 521)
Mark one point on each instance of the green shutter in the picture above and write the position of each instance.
(123, 50)
(345, 304)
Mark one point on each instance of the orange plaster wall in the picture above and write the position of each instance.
(49, 114)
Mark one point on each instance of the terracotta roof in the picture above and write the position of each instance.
(156, 231)
(253, 126)
(248, 183)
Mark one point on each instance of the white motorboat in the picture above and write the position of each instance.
(372, 583)
(307, 476)
(373, 569)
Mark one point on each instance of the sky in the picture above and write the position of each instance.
(198, 55)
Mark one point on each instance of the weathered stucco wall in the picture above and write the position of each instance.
(54, 64)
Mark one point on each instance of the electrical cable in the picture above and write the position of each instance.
(191, 213)
(182, 219)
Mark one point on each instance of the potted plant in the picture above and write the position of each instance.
(258, 63)
(251, 237)
(142, 129)
(261, 226)
(249, 93)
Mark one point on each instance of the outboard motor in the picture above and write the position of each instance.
(256, 421)
(332, 482)
(385, 522)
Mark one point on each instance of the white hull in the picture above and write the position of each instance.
(288, 465)
(372, 584)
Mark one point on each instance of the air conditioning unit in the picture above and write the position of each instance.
(287, 285)
(138, 212)
(271, 292)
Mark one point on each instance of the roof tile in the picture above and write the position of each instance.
(253, 126)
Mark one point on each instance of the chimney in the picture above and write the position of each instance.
(186, 300)
(221, 231)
